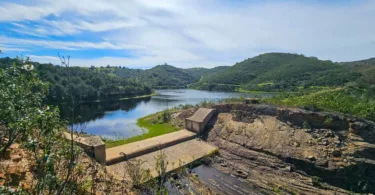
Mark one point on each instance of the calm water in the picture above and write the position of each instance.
(118, 119)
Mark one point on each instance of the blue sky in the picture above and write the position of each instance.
(191, 33)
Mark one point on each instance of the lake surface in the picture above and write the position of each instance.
(118, 119)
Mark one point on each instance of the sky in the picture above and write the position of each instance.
(184, 33)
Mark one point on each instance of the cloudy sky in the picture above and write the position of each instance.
(191, 33)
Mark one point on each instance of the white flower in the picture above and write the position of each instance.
(28, 67)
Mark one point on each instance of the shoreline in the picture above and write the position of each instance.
(153, 130)
(126, 98)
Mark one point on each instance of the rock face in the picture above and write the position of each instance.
(290, 148)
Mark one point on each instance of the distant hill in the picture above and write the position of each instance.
(265, 72)
(366, 68)
(279, 72)
(166, 76)
(198, 73)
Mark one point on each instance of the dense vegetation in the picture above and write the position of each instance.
(349, 100)
(48, 163)
(163, 76)
(83, 83)
(279, 72)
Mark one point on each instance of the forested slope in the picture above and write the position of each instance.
(83, 83)
(279, 72)
(165, 76)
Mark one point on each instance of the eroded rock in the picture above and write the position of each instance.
(266, 139)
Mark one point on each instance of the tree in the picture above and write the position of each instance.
(21, 95)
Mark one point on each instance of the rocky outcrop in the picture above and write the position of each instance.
(296, 150)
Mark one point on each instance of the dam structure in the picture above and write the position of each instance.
(179, 148)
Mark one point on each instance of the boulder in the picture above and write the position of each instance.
(16, 158)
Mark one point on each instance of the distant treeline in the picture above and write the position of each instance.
(82, 83)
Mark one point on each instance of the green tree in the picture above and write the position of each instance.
(21, 95)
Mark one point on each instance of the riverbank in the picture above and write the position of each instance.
(152, 127)
(126, 98)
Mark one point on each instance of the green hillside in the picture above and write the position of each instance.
(160, 76)
(279, 72)
(198, 73)
(164, 76)
(85, 84)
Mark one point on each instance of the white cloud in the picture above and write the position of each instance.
(64, 45)
(199, 33)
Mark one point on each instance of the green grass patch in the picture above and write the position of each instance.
(265, 83)
(128, 98)
(254, 91)
(151, 124)
(343, 100)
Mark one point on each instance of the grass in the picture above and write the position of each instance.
(335, 100)
(128, 98)
(266, 83)
(147, 122)
(253, 91)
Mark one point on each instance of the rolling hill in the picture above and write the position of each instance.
(279, 72)
(167, 76)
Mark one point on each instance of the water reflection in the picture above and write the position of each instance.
(117, 119)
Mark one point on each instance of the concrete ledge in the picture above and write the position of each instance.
(135, 149)
(92, 145)
(177, 156)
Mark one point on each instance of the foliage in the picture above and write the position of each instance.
(163, 117)
(166, 76)
(86, 84)
(21, 110)
(36, 126)
(57, 165)
(161, 76)
(347, 100)
(137, 175)
(207, 104)
(161, 168)
(199, 73)
(278, 72)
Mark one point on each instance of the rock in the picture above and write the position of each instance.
(322, 163)
(12, 169)
(324, 142)
(25, 186)
(296, 144)
(358, 126)
(311, 158)
(2, 179)
(241, 174)
(14, 146)
(336, 153)
(223, 165)
(329, 133)
(16, 158)
(289, 168)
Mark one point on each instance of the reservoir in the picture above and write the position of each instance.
(118, 119)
